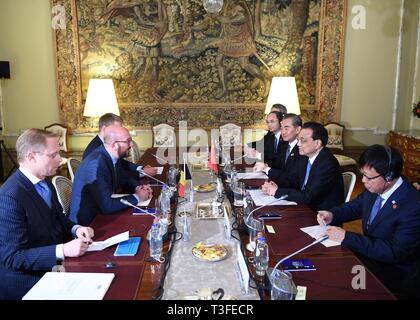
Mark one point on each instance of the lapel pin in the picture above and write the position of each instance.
(394, 205)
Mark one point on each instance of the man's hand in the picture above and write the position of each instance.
(260, 166)
(75, 248)
(336, 234)
(269, 188)
(85, 234)
(144, 192)
(324, 217)
(151, 171)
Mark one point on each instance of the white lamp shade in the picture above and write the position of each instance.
(283, 90)
(100, 98)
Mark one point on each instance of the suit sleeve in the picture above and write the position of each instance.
(397, 249)
(320, 183)
(15, 250)
(101, 190)
(349, 211)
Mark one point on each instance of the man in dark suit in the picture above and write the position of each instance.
(390, 211)
(125, 169)
(34, 233)
(289, 152)
(95, 180)
(271, 144)
(316, 179)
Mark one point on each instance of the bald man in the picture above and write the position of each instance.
(95, 180)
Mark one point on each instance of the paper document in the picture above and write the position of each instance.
(70, 286)
(252, 175)
(261, 199)
(159, 170)
(101, 245)
(317, 232)
(140, 204)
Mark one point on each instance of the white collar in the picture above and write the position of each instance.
(293, 143)
(30, 176)
(312, 159)
(277, 135)
(388, 193)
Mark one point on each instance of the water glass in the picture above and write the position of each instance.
(254, 227)
(238, 194)
(282, 286)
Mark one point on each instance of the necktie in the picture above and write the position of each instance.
(45, 192)
(276, 142)
(287, 153)
(308, 169)
(375, 209)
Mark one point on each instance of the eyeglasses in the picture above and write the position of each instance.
(304, 140)
(128, 141)
(367, 177)
(50, 155)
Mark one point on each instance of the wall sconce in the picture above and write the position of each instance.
(100, 98)
(283, 90)
(213, 6)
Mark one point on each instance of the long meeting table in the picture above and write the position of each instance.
(181, 276)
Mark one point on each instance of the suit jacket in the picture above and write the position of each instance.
(285, 166)
(392, 241)
(94, 183)
(29, 233)
(127, 174)
(271, 156)
(324, 188)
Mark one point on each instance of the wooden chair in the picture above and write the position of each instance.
(336, 144)
(72, 165)
(164, 136)
(63, 187)
(349, 179)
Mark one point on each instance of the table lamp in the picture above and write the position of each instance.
(100, 98)
(283, 90)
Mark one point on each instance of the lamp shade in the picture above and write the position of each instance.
(100, 98)
(283, 90)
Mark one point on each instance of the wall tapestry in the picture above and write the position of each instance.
(171, 60)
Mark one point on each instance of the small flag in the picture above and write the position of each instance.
(212, 159)
(181, 192)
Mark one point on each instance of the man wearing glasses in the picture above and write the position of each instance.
(315, 179)
(95, 180)
(390, 211)
(34, 233)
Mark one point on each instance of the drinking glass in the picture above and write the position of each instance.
(282, 286)
(238, 194)
(254, 227)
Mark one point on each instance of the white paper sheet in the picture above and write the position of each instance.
(70, 286)
(317, 232)
(159, 170)
(140, 204)
(252, 175)
(100, 245)
(261, 199)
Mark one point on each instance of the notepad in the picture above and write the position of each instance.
(128, 247)
(70, 286)
(298, 265)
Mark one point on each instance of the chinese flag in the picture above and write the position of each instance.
(212, 160)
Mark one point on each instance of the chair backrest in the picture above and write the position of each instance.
(72, 166)
(60, 130)
(335, 135)
(349, 179)
(63, 187)
(135, 153)
(164, 136)
(231, 134)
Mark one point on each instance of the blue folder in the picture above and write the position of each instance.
(128, 247)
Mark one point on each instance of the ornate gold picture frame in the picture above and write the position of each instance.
(171, 60)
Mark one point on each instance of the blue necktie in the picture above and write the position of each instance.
(375, 209)
(276, 142)
(45, 192)
(308, 169)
